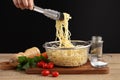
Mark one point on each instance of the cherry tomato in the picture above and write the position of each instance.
(45, 65)
(45, 72)
(55, 73)
(40, 64)
(50, 65)
(44, 54)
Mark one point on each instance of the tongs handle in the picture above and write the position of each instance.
(38, 9)
(49, 13)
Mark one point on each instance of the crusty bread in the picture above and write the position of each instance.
(31, 52)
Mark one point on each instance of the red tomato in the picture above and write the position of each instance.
(44, 54)
(55, 73)
(45, 72)
(40, 64)
(50, 65)
(45, 65)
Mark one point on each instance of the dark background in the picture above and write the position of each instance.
(22, 29)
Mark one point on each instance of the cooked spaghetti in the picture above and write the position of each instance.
(62, 32)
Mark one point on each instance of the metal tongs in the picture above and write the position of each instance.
(55, 15)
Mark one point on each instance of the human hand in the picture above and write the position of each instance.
(24, 4)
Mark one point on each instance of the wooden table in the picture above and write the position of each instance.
(112, 58)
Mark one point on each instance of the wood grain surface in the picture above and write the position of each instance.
(84, 69)
(112, 58)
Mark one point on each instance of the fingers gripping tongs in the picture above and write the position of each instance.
(55, 15)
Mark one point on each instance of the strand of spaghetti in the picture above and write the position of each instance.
(62, 32)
